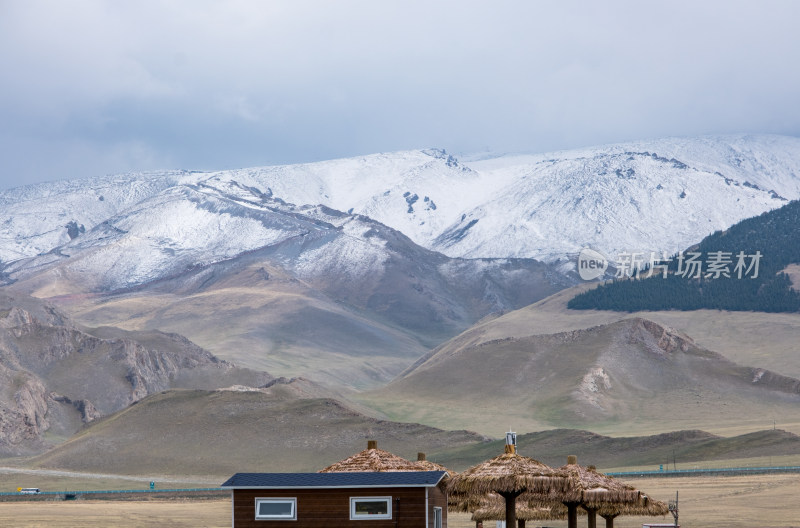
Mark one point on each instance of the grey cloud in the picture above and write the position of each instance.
(98, 87)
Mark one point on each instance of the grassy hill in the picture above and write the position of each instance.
(767, 340)
(284, 428)
(259, 317)
(645, 452)
(630, 377)
(263, 313)
(193, 432)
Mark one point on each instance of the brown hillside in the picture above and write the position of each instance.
(768, 340)
(625, 377)
(344, 300)
(192, 432)
(56, 376)
(681, 448)
(261, 318)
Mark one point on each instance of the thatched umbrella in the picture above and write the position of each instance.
(493, 509)
(509, 475)
(427, 465)
(595, 492)
(372, 459)
(645, 507)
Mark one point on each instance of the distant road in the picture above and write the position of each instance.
(78, 474)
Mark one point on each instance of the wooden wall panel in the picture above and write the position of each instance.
(331, 507)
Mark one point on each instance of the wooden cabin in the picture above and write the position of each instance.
(407, 499)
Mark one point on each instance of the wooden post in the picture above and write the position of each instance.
(609, 520)
(572, 514)
(592, 517)
(572, 507)
(511, 507)
(521, 523)
(372, 444)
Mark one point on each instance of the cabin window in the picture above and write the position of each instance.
(276, 509)
(370, 508)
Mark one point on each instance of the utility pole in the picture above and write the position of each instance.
(673, 509)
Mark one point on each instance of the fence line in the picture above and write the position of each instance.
(707, 471)
(624, 474)
(97, 492)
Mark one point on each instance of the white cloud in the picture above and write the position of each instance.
(222, 84)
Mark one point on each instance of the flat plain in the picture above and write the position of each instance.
(766, 501)
(121, 514)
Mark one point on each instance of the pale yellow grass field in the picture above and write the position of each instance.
(120, 514)
(705, 502)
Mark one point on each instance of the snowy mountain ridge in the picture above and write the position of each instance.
(658, 195)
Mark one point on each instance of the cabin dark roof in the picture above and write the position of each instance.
(335, 480)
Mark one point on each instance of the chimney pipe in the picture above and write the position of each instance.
(372, 444)
(572, 460)
(420, 457)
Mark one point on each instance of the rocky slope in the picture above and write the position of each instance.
(275, 286)
(632, 374)
(55, 376)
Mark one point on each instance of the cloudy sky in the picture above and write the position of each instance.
(89, 88)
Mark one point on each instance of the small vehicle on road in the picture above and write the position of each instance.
(29, 491)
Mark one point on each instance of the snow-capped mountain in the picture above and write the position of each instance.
(37, 218)
(371, 260)
(646, 196)
(660, 195)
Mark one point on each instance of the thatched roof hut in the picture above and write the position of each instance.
(523, 514)
(373, 459)
(509, 475)
(645, 507)
(427, 465)
(594, 491)
(492, 508)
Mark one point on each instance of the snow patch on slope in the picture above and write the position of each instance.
(658, 195)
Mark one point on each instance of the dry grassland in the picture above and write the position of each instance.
(705, 502)
(120, 514)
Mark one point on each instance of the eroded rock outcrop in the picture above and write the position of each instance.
(54, 374)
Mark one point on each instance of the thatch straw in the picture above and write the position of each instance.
(509, 473)
(498, 513)
(645, 507)
(427, 465)
(590, 489)
(492, 508)
(598, 489)
(373, 459)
